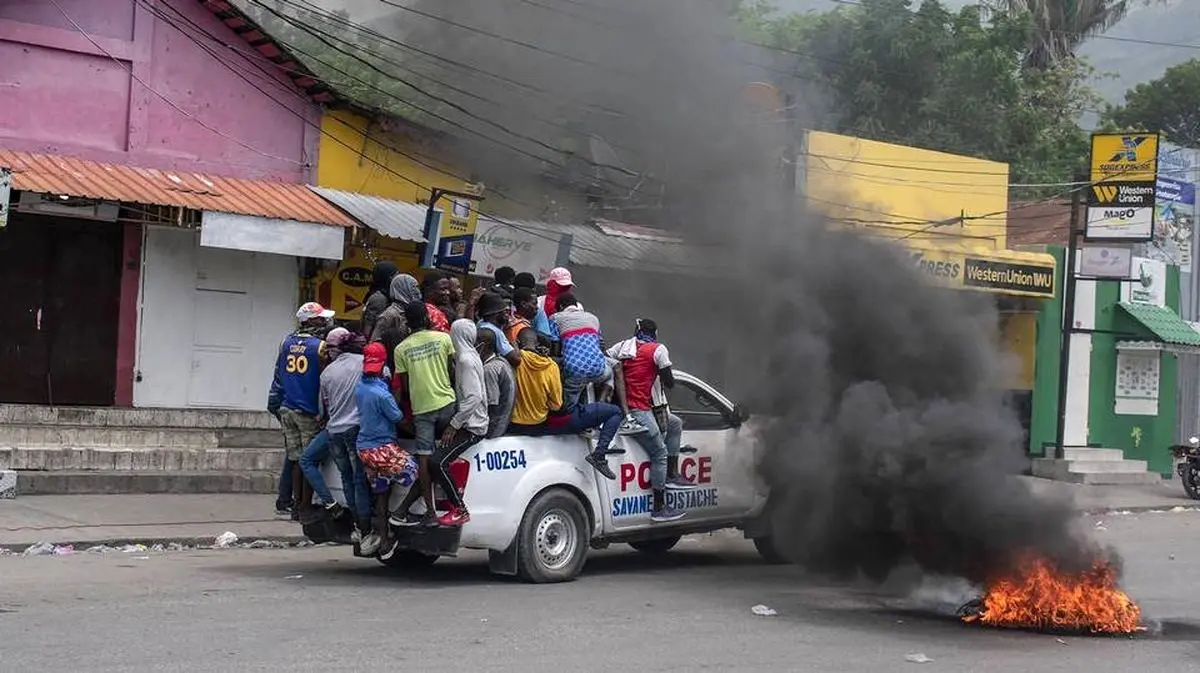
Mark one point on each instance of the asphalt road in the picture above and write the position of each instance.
(319, 609)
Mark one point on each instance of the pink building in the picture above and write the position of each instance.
(114, 279)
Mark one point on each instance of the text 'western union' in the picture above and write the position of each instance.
(1003, 276)
(1133, 194)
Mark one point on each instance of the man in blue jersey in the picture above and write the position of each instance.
(295, 401)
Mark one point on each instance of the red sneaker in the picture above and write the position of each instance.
(455, 517)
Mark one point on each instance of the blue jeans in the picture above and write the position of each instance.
(283, 499)
(607, 417)
(657, 446)
(573, 386)
(341, 447)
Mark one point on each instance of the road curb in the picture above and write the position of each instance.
(1139, 509)
(206, 541)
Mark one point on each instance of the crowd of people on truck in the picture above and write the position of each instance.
(446, 371)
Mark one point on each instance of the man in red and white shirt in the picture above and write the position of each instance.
(643, 362)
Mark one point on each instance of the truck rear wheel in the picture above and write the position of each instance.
(768, 551)
(659, 545)
(553, 538)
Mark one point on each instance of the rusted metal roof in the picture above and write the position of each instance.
(1039, 223)
(69, 176)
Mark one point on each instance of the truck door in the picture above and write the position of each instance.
(713, 456)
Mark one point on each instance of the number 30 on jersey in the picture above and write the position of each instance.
(296, 364)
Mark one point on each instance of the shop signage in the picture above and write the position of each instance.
(958, 270)
(1008, 276)
(499, 244)
(1121, 196)
(456, 231)
(1149, 284)
(1105, 262)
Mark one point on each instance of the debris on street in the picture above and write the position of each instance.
(225, 540)
(763, 611)
(917, 658)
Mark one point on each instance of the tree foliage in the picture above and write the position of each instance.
(1169, 104)
(931, 77)
(1060, 26)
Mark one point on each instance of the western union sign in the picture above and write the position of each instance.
(1032, 278)
(1121, 196)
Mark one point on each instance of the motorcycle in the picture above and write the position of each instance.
(1187, 465)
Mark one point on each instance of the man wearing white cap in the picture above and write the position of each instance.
(558, 282)
(295, 401)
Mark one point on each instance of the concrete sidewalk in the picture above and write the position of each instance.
(83, 519)
(198, 519)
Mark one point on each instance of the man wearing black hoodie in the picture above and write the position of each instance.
(377, 298)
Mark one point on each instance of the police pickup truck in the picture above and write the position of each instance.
(537, 507)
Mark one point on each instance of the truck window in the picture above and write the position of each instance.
(697, 409)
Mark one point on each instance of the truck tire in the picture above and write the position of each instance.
(767, 550)
(659, 545)
(552, 542)
(407, 559)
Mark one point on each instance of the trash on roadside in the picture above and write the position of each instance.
(64, 550)
(224, 540)
(1060, 641)
(134, 548)
(175, 546)
(260, 544)
(917, 658)
(293, 577)
(39, 549)
(763, 611)
(304, 543)
(141, 558)
(1179, 508)
(158, 548)
(99, 549)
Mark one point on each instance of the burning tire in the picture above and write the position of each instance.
(660, 545)
(552, 541)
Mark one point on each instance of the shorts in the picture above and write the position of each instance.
(426, 427)
(388, 463)
(298, 430)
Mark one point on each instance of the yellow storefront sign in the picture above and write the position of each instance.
(1014, 273)
(1124, 157)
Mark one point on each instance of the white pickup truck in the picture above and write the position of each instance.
(537, 507)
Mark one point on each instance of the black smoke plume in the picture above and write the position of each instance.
(882, 420)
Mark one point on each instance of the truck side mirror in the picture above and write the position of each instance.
(740, 415)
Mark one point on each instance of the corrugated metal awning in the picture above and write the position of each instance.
(397, 219)
(50, 174)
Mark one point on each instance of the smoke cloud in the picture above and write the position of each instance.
(885, 435)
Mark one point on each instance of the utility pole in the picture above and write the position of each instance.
(792, 157)
(1068, 319)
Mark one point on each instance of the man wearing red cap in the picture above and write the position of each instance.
(295, 401)
(381, 456)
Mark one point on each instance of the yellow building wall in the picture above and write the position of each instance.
(893, 190)
(357, 155)
(1019, 333)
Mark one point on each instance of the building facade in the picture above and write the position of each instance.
(159, 214)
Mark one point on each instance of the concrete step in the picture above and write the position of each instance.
(1096, 466)
(201, 481)
(135, 437)
(139, 460)
(1088, 454)
(1095, 472)
(28, 414)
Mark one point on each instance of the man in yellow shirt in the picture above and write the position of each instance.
(424, 361)
(539, 391)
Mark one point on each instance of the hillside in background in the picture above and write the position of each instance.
(1127, 63)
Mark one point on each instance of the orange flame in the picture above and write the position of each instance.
(1039, 596)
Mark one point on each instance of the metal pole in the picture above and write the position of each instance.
(1068, 319)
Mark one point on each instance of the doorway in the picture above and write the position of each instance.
(61, 281)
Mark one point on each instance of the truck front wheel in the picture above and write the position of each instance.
(658, 545)
(553, 541)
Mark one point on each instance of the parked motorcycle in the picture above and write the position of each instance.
(1187, 465)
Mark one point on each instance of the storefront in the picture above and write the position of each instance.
(152, 288)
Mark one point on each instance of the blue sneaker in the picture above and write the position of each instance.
(666, 514)
(678, 483)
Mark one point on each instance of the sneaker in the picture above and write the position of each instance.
(370, 544)
(429, 520)
(295, 515)
(678, 483)
(334, 510)
(455, 517)
(406, 520)
(666, 514)
(355, 537)
(388, 550)
(600, 463)
(282, 510)
(630, 426)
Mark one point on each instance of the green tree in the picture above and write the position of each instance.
(1169, 104)
(936, 78)
(1060, 26)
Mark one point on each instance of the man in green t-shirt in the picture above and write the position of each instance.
(423, 362)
